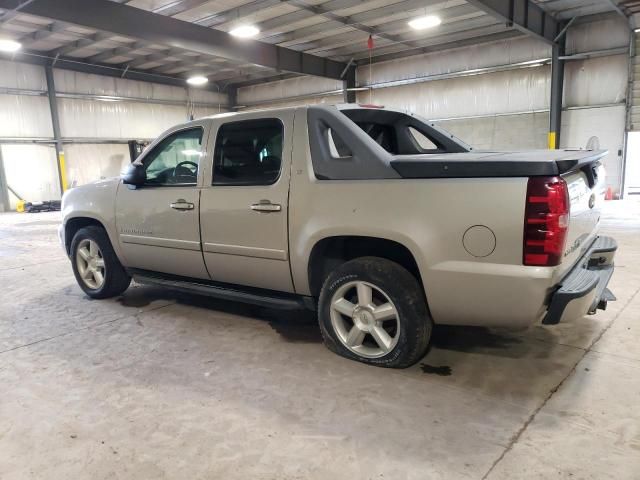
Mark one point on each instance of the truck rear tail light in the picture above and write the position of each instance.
(546, 221)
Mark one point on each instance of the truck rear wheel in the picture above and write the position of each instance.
(95, 265)
(373, 310)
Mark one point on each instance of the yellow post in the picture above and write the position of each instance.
(551, 137)
(63, 171)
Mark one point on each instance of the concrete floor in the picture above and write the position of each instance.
(159, 385)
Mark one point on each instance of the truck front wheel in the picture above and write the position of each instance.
(372, 310)
(95, 265)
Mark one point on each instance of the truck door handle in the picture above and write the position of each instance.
(182, 204)
(266, 206)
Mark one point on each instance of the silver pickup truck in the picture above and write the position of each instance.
(380, 220)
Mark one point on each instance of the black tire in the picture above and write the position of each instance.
(402, 289)
(116, 279)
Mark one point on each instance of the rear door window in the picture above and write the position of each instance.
(248, 152)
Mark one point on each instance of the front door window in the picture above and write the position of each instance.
(175, 160)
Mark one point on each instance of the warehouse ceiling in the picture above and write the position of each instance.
(170, 40)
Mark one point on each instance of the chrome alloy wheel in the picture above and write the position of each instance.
(364, 319)
(90, 264)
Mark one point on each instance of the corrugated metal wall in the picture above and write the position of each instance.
(95, 129)
(505, 109)
(31, 171)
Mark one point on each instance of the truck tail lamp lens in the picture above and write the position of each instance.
(546, 221)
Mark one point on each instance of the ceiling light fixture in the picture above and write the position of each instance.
(9, 46)
(421, 23)
(245, 31)
(197, 80)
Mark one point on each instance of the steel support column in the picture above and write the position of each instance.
(555, 104)
(349, 85)
(55, 122)
(4, 189)
(232, 97)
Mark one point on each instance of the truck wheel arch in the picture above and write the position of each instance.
(74, 224)
(330, 252)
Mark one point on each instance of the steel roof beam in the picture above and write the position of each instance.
(237, 13)
(173, 8)
(355, 22)
(81, 43)
(183, 64)
(179, 6)
(243, 11)
(345, 21)
(617, 8)
(298, 15)
(13, 9)
(257, 81)
(123, 51)
(76, 65)
(447, 32)
(523, 15)
(161, 56)
(377, 13)
(44, 32)
(132, 22)
(476, 37)
(262, 77)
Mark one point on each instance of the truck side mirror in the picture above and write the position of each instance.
(134, 174)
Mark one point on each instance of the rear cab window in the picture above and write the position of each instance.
(401, 134)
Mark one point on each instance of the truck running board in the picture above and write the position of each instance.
(254, 296)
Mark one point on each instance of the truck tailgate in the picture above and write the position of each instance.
(586, 187)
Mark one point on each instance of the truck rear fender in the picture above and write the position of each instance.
(330, 252)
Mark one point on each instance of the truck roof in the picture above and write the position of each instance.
(339, 106)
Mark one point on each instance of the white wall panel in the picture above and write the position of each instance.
(96, 119)
(25, 116)
(504, 132)
(287, 88)
(87, 162)
(610, 32)
(479, 56)
(486, 55)
(75, 82)
(595, 81)
(207, 96)
(199, 112)
(22, 75)
(502, 92)
(328, 99)
(31, 171)
(607, 123)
